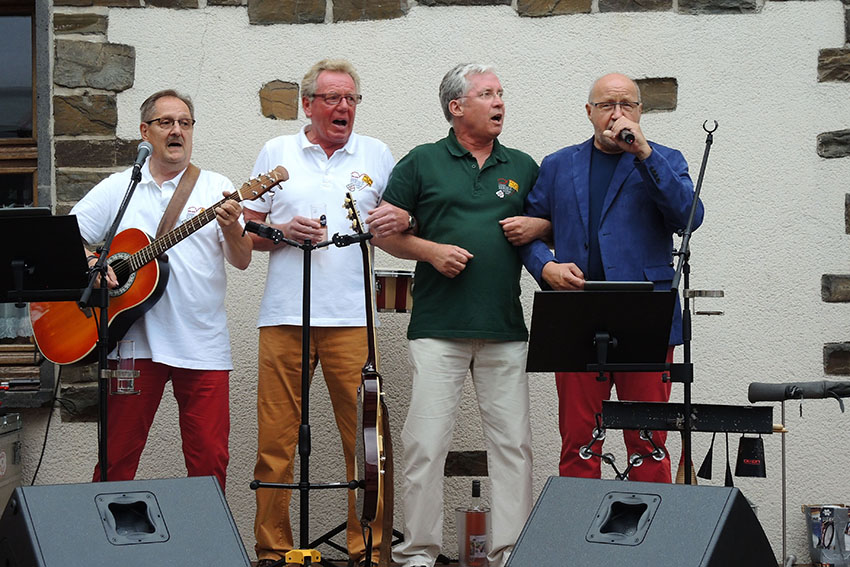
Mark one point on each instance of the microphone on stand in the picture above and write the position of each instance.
(145, 149)
(264, 231)
(627, 136)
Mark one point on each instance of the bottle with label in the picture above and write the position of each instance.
(473, 531)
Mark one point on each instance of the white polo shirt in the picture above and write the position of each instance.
(337, 273)
(187, 327)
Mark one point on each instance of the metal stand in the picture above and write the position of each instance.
(304, 486)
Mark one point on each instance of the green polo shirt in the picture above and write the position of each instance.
(456, 202)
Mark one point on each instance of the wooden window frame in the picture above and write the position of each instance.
(20, 155)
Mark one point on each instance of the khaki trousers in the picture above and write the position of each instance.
(342, 352)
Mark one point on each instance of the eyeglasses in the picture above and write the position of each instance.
(334, 99)
(626, 106)
(168, 123)
(486, 95)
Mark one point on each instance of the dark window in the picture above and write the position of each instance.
(18, 144)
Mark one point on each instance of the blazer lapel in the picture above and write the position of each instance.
(624, 168)
(580, 167)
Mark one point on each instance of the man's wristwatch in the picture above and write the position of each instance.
(411, 222)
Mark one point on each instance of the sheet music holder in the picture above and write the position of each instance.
(43, 258)
(565, 324)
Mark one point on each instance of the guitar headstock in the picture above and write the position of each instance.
(255, 187)
(350, 205)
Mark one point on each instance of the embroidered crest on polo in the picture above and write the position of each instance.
(358, 181)
(506, 187)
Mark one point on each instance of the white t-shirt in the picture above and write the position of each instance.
(336, 291)
(187, 327)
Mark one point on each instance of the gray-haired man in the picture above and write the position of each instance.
(467, 193)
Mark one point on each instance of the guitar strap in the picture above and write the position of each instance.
(178, 200)
(385, 557)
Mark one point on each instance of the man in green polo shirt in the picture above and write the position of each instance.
(466, 193)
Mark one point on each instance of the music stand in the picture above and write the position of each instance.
(43, 258)
(619, 326)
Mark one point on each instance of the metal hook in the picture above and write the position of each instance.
(706, 129)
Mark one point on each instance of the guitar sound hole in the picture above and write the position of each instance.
(120, 262)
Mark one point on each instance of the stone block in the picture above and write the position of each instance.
(834, 144)
(79, 23)
(263, 12)
(279, 100)
(466, 463)
(834, 65)
(79, 374)
(81, 402)
(835, 288)
(635, 5)
(658, 93)
(717, 6)
(73, 184)
(836, 358)
(362, 10)
(174, 4)
(88, 114)
(540, 8)
(226, 2)
(465, 2)
(108, 66)
(847, 213)
(95, 153)
(107, 3)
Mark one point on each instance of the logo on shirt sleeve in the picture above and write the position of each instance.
(507, 187)
(358, 181)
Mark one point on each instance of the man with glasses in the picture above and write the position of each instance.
(466, 192)
(184, 336)
(324, 160)
(614, 202)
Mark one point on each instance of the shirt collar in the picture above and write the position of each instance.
(456, 149)
(350, 146)
(148, 178)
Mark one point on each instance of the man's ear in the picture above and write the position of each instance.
(143, 130)
(307, 105)
(455, 108)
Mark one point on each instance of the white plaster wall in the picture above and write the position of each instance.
(774, 210)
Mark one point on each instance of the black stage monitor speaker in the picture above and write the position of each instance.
(140, 523)
(584, 522)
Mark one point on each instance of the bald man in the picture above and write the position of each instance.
(614, 201)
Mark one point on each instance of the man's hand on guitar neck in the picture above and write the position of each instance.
(111, 279)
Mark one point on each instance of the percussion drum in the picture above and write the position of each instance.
(394, 290)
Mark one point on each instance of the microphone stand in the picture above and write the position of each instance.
(101, 300)
(304, 437)
(684, 267)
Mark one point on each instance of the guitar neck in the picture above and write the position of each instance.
(369, 287)
(169, 239)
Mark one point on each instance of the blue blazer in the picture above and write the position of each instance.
(646, 203)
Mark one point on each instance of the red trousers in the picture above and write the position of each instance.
(203, 400)
(580, 397)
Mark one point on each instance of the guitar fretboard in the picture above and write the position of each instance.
(171, 238)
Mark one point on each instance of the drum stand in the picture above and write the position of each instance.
(306, 553)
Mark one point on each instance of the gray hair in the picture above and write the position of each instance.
(149, 106)
(593, 86)
(308, 83)
(455, 84)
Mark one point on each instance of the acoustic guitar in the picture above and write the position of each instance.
(67, 333)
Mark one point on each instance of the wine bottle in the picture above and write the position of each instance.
(476, 524)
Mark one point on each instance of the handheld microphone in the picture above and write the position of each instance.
(145, 149)
(627, 136)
